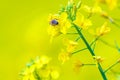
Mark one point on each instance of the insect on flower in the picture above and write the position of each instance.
(58, 24)
(54, 22)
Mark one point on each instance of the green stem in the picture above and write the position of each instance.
(37, 77)
(77, 39)
(114, 23)
(110, 45)
(117, 47)
(94, 46)
(85, 41)
(115, 72)
(106, 43)
(90, 50)
(72, 33)
(111, 67)
(89, 64)
(93, 42)
(79, 50)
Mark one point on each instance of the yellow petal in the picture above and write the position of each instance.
(111, 4)
(55, 74)
(87, 8)
(63, 57)
(44, 60)
(103, 30)
(96, 9)
(86, 24)
(54, 31)
(79, 19)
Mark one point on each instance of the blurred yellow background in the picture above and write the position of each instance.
(23, 33)
(23, 36)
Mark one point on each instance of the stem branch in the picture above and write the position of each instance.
(90, 50)
(111, 67)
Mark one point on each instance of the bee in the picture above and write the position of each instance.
(54, 22)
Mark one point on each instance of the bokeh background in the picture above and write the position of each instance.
(23, 36)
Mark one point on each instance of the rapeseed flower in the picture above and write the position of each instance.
(41, 61)
(103, 30)
(64, 56)
(77, 66)
(67, 53)
(99, 59)
(49, 73)
(37, 64)
(111, 3)
(82, 22)
(70, 45)
(58, 24)
(92, 10)
(27, 74)
(100, 31)
(55, 74)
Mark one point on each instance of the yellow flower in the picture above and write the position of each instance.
(99, 59)
(64, 56)
(104, 15)
(39, 67)
(54, 74)
(40, 62)
(30, 77)
(71, 46)
(82, 22)
(44, 60)
(28, 73)
(58, 24)
(92, 10)
(67, 53)
(100, 31)
(70, 2)
(49, 72)
(78, 65)
(111, 3)
(103, 30)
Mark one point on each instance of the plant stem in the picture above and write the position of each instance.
(106, 43)
(37, 77)
(94, 46)
(79, 50)
(111, 67)
(89, 64)
(94, 42)
(77, 39)
(72, 33)
(90, 50)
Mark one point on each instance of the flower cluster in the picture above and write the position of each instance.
(66, 54)
(39, 69)
(111, 3)
(78, 17)
(75, 19)
(58, 24)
